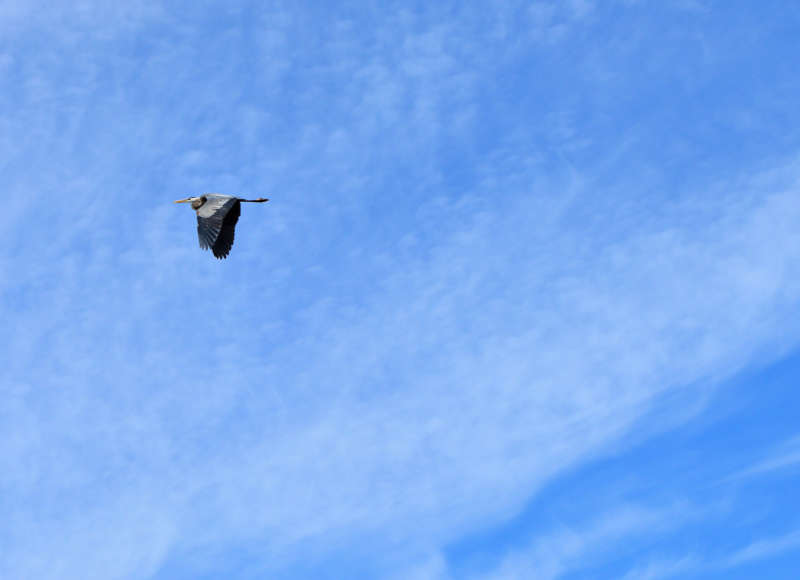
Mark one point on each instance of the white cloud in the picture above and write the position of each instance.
(659, 569)
(763, 548)
(559, 552)
(467, 377)
(337, 381)
(450, 420)
(785, 457)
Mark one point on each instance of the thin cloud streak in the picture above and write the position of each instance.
(559, 552)
(693, 564)
(765, 548)
(786, 457)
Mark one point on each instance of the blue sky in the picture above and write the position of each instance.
(523, 303)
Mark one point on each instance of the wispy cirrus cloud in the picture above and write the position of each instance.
(696, 564)
(763, 548)
(786, 456)
(666, 568)
(465, 286)
(560, 552)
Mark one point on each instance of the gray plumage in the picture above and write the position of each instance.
(217, 215)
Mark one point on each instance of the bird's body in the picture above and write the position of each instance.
(217, 215)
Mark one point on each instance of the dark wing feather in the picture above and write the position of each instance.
(211, 217)
(222, 247)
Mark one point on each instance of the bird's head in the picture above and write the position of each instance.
(195, 201)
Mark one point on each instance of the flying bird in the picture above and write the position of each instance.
(217, 215)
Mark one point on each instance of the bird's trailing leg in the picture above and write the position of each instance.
(259, 200)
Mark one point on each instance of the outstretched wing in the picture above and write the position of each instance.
(222, 247)
(216, 220)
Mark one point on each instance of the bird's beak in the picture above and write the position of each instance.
(188, 199)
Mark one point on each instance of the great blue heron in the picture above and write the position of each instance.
(217, 215)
